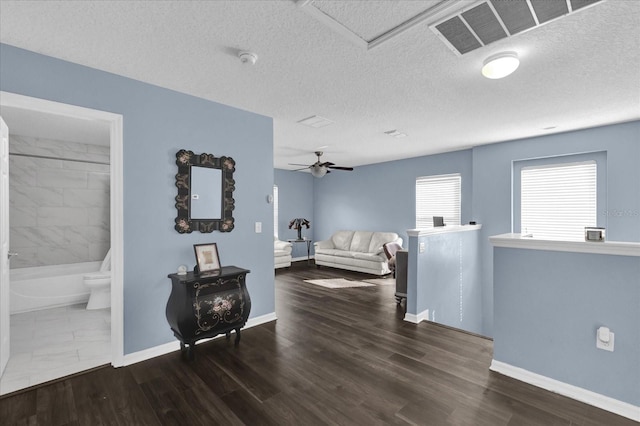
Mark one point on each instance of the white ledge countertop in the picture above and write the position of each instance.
(442, 230)
(619, 248)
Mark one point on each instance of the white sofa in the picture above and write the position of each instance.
(282, 253)
(359, 251)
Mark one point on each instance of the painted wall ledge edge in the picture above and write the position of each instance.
(442, 230)
(618, 248)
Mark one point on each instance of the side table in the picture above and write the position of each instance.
(304, 240)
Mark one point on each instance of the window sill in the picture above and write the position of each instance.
(618, 248)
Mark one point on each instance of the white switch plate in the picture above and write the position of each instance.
(258, 227)
(421, 248)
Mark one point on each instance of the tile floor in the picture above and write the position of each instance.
(53, 343)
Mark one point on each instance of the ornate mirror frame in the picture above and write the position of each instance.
(187, 159)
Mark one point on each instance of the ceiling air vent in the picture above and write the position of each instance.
(491, 20)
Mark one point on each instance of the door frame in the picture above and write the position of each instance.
(116, 202)
(5, 309)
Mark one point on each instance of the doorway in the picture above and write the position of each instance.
(112, 125)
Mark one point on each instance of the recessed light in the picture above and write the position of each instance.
(316, 121)
(395, 133)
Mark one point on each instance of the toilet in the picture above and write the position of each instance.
(99, 284)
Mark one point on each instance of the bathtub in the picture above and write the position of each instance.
(44, 287)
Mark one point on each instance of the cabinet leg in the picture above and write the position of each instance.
(191, 352)
(227, 335)
(237, 337)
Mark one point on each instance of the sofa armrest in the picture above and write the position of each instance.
(326, 244)
(282, 245)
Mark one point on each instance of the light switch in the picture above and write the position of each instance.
(258, 227)
(421, 249)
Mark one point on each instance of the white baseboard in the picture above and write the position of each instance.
(424, 315)
(574, 392)
(166, 348)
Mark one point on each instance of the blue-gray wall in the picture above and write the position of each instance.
(492, 178)
(295, 199)
(382, 197)
(447, 283)
(548, 306)
(157, 123)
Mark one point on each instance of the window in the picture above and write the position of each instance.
(557, 201)
(438, 196)
(275, 210)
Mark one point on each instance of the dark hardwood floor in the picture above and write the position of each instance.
(333, 357)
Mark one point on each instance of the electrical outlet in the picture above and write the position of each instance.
(258, 227)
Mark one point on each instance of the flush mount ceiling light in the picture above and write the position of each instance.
(500, 65)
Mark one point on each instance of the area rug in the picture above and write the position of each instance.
(381, 281)
(339, 283)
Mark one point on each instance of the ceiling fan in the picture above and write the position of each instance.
(319, 169)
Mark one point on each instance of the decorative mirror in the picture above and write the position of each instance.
(205, 192)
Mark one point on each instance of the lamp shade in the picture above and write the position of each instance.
(500, 65)
(318, 171)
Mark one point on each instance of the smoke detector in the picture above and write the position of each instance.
(248, 57)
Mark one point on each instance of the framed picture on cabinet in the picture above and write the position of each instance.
(207, 257)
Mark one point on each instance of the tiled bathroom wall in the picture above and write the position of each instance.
(59, 206)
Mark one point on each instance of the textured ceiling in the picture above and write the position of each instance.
(578, 71)
(371, 19)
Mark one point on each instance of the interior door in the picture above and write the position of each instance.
(4, 245)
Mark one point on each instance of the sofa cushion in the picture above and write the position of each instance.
(379, 239)
(335, 252)
(373, 257)
(342, 239)
(360, 241)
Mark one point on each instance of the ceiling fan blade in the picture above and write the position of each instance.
(295, 164)
(327, 164)
(341, 168)
(304, 168)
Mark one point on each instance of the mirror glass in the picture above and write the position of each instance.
(205, 192)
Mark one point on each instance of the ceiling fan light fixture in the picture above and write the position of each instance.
(500, 65)
(318, 171)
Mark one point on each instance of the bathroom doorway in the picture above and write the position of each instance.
(87, 147)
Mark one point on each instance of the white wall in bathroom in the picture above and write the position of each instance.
(59, 209)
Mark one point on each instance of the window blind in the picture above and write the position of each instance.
(438, 196)
(275, 210)
(558, 201)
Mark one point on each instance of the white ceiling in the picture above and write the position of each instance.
(579, 71)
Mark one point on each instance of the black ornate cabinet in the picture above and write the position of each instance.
(202, 306)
